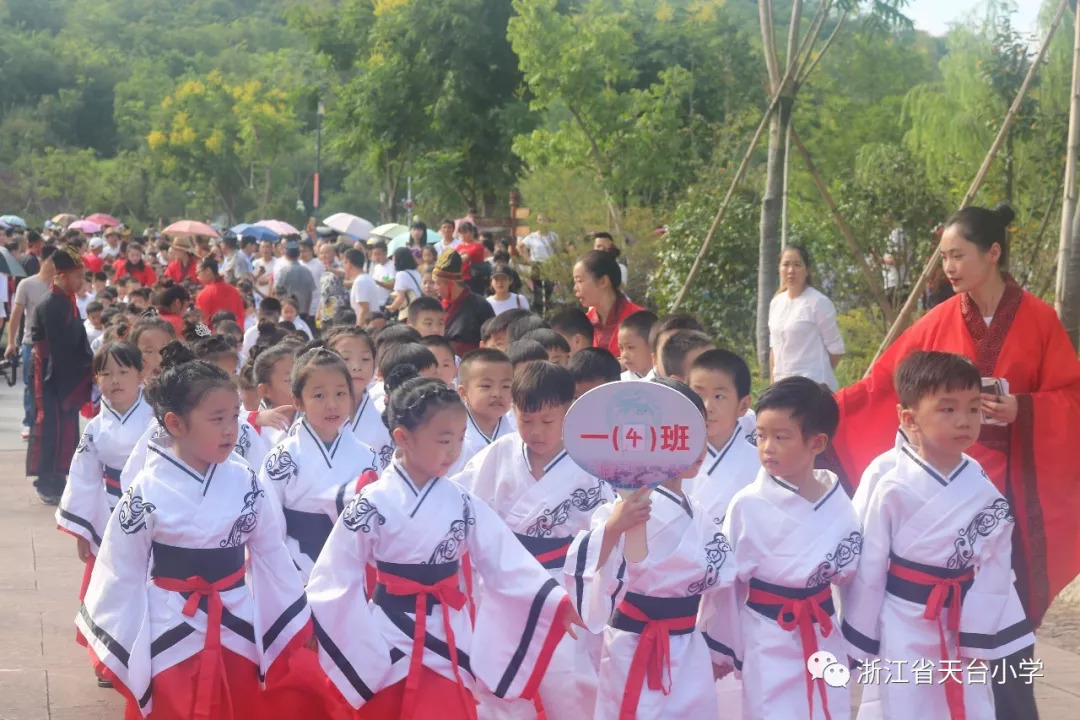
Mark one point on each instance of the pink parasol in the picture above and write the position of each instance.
(86, 226)
(189, 228)
(278, 226)
(103, 219)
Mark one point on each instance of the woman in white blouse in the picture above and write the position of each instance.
(407, 283)
(803, 334)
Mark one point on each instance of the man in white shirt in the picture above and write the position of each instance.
(236, 265)
(449, 240)
(364, 296)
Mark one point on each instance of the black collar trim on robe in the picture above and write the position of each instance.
(785, 485)
(203, 480)
(547, 468)
(720, 455)
(327, 456)
(828, 494)
(488, 439)
(131, 410)
(931, 471)
(681, 502)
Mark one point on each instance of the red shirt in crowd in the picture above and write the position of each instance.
(220, 295)
(470, 253)
(147, 277)
(606, 335)
(176, 272)
(175, 320)
(93, 263)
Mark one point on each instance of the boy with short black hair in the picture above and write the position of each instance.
(522, 325)
(935, 526)
(495, 332)
(635, 353)
(574, 325)
(269, 311)
(426, 316)
(680, 350)
(592, 367)
(484, 379)
(443, 351)
(522, 352)
(140, 298)
(793, 534)
(664, 329)
(558, 350)
(546, 499)
(722, 379)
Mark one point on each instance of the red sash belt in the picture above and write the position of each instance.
(801, 613)
(212, 666)
(945, 594)
(652, 658)
(448, 596)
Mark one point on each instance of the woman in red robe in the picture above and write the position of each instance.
(1011, 334)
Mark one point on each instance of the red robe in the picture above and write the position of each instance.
(1031, 462)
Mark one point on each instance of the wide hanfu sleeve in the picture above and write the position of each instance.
(521, 610)
(1043, 472)
(83, 509)
(353, 653)
(114, 617)
(595, 589)
(281, 608)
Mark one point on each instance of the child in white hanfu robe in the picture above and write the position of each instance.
(193, 597)
(313, 472)
(656, 660)
(357, 349)
(412, 651)
(935, 584)
(546, 499)
(93, 486)
(794, 533)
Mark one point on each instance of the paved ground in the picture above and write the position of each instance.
(44, 675)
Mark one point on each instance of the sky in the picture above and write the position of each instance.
(934, 16)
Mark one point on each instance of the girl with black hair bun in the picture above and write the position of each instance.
(358, 351)
(195, 529)
(93, 486)
(415, 527)
(313, 472)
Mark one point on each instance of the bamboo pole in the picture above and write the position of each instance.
(845, 229)
(980, 177)
(1069, 194)
(805, 45)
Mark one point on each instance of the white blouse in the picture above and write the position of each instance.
(803, 334)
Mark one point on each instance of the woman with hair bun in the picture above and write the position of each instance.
(597, 286)
(1028, 424)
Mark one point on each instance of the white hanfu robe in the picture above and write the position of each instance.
(944, 526)
(789, 547)
(312, 484)
(545, 514)
(174, 523)
(726, 470)
(476, 440)
(251, 448)
(416, 537)
(684, 579)
(368, 427)
(93, 486)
